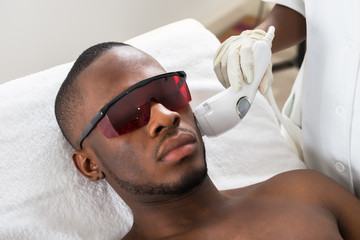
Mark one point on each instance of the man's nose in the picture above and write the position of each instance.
(161, 118)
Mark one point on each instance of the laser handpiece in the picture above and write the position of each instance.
(225, 110)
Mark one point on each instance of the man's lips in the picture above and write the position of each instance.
(175, 148)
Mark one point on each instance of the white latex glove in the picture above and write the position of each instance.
(234, 61)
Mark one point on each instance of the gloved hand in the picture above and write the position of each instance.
(234, 61)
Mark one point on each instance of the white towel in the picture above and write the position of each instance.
(43, 197)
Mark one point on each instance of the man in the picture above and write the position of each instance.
(144, 141)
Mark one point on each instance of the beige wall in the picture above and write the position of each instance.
(38, 34)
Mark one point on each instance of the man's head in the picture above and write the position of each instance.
(164, 156)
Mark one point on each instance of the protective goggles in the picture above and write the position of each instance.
(130, 110)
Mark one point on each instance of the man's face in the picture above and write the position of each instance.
(166, 156)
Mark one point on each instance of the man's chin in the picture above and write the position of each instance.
(189, 181)
(184, 185)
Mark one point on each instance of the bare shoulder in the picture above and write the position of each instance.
(285, 182)
(303, 184)
(314, 187)
(306, 189)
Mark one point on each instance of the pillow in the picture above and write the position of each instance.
(42, 196)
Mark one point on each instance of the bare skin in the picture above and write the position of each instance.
(290, 27)
(293, 205)
(300, 204)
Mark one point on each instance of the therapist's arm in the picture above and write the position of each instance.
(290, 27)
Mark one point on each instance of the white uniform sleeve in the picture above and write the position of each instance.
(297, 5)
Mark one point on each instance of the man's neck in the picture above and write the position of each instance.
(179, 214)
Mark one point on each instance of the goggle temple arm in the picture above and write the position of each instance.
(90, 127)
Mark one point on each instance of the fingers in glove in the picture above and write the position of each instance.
(247, 63)
(223, 48)
(234, 70)
(218, 66)
(220, 61)
(221, 74)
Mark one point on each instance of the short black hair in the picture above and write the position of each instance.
(69, 101)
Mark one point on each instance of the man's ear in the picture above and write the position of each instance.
(86, 166)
